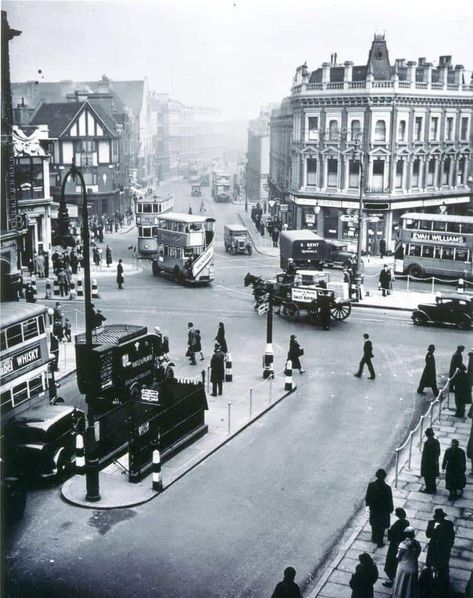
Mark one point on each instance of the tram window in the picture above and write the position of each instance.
(427, 251)
(30, 329)
(155, 208)
(161, 250)
(425, 225)
(166, 249)
(415, 250)
(14, 336)
(179, 253)
(5, 401)
(20, 393)
(172, 251)
(189, 251)
(196, 226)
(147, 208)
(155, 231)
(453, 227)
(36, 385)
(447, 253)
(147, 232)
(461, 254)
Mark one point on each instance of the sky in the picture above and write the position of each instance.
(236, 55)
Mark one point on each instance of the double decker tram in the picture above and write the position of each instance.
(147, 212)
(435, 245)
(185, 247)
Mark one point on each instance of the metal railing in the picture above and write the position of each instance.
(419, 428)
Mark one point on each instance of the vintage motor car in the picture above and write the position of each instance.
(454, 309)
(41, 441)
(196, 190)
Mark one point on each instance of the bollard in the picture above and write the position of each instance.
(80, 454)
(72, 290)
(157, 479)
(56, 287)
(33, 283)
(80, 288)
(228, 369)
(461, 286)
(95, 290)
(49, 290)
(288, 374)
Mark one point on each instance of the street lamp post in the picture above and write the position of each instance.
(91, 459)
(268, 358)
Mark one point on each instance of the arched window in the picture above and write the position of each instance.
(401, 133)
(333, 130)
(380, 131)
(355, 129)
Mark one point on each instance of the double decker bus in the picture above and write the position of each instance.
(435, 245)
(185, 247)
(147, 212)
(221, 186)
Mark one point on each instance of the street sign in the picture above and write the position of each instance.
(263, 309)
(347, 218)
(149, 395)
(271, 203)
(143, 429)
(372, 219)
(283, 208)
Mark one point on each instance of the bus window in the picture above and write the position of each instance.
(447, 253)
(36, 385)
(155, 207)
(166, 249)
(461, 254)
(467, 228)
(453, 227)
(427, 251)
(196, 226)
(5, 401)
(172, 252)
(20, 393)
(14, 336)
(414, 250)
(412, 224)
(179, 253)
(3, 341)
(30, 329)
(155, 231)
(437, 252)
(425, 225)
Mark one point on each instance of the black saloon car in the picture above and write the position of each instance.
(448, 309)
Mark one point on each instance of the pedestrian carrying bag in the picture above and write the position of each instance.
(189, 352)
(301, 351)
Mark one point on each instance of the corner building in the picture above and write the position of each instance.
(409, 123)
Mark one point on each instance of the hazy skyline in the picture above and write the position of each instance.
(236, 55)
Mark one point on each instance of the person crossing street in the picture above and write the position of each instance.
(366, 359)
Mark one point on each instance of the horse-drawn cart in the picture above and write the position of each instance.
(308, 291)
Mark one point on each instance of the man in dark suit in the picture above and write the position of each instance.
(442, 536)
(366, 359)
(455, 363)
(217, 370)
(429, 465)
(379, 499)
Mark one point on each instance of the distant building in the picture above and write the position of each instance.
(32, 150)
(13, 224)
(257, 172)
(86, 133)
(409, 122)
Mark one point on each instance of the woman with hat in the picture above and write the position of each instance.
(395, 537)
(406, 580)
(429, 375)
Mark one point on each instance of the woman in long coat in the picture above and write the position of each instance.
(395, 537)
(406, 581)
(295, 351)
(364, 578)
(462, 391)
(454, 462)
(429, 375)
(108, 256)
(220, 338)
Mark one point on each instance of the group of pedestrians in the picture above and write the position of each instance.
(217, 361)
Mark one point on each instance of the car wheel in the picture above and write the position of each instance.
(419, 319)
(416, 271)
(464, 323)
(62, 463)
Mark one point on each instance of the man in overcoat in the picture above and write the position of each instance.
(217, 370)
(454, 462)
(379, 499)
(385, 279)
(429, 375)
(429, 465)
(455, 363)
(442, 536)
(120, 277)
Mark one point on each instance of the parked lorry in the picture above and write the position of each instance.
(308, 250)
(237, 239)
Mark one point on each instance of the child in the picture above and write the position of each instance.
(67, 330)
(198, 345)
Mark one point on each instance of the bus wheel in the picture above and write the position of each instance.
(416, 271)
(290, 311)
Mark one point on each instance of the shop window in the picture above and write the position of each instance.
(332, 173)
(29, 183)
(380, 131)
(312, 172)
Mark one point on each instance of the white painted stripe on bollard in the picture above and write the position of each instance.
(288, 379)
